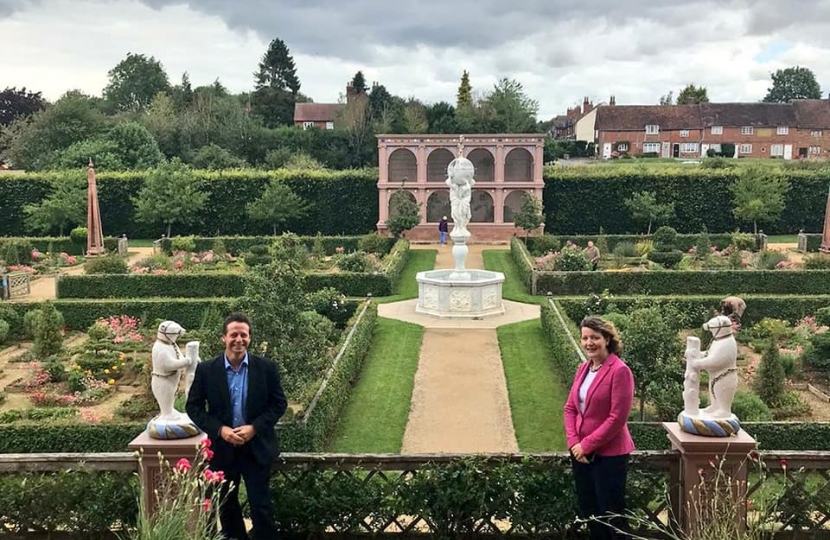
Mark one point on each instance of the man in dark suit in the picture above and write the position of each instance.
(237, 399)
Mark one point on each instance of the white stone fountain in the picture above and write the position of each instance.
(460, 293)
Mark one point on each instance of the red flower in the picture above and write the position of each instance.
(783, 463)
(207, 453)
(205, 443)
(754, 456)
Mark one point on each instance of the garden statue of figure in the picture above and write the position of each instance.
(460, 181)
(168, 365)
(719, 362)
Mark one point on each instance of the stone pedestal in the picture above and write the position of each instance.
(700, 457)
(444, 294)
(173, 450)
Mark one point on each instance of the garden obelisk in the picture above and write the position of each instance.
(95, 236)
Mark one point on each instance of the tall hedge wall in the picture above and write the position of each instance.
(577, 200)
(723, 282)
(580, 200)
(683, 242)
(343, 202)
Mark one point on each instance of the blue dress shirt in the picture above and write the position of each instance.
(238, 389)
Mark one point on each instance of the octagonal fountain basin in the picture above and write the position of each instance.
(465, 294)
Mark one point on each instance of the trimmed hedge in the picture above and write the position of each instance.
(580, 200)
(197, 285)
(57, 244)
(684, 242)
(236, 245)
(520, 255)
(699, 308)
(81, 314)
(342, 202)
(770, 435)
(30, 438)
(724, 282)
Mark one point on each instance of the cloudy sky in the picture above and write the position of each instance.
(560, 50)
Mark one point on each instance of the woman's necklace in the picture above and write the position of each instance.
(594, 369)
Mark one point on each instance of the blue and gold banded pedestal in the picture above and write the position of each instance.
(728, 427)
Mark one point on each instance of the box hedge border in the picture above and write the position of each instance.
(229, 284)
(56, 244)
(726, 282)
(236, 245)
(683, 242)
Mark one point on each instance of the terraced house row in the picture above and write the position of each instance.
(798, 129)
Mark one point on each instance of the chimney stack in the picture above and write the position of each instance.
(613, 101)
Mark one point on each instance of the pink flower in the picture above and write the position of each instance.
(783, 463)
(206, 505)
(212, 477)
(205, 443)
(183, 465)
(207, 453)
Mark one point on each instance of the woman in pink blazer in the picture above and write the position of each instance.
(596, 416)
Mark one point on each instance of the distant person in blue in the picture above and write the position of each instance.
(443, 227)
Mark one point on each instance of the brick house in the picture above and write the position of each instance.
(321, 115)
(564, 125)
(797, 129)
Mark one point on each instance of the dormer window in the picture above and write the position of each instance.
(782, 130)
(652, 129)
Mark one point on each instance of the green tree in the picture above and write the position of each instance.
(464, 97)
(214, 157)
(171, 194)
(359, 83)
(667, 99)
(653, 351)
(135, 145)
(277, 206)
(276, 86)
(793, 83)
(645, 209)
(404, 213)
(21, 103)
(162, 121)
(134, 82)
(182, 93)
(508, 109)
(531, 216)
(415, 117)
(47, 330)
(692, 95)
(63, 208)
(441, 118)
(104, 154)
(759, 195)
(32, 143)
(769, 383)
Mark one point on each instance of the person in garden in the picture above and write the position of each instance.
(592, 252)
(596, 416)
(443, 228)
(237, 399)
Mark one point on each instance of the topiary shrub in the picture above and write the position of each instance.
(665, 238)
(668, 259)
(78, 235)
(355, 262)
(817, 352)
(257, 255)
(107, 264)
(748, 407)
(769, 382)
(47, 331)
(183, 243)
(541, 245)
(744, 241)
(373, 243)
(4, 331)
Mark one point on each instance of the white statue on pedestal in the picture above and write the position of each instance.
(460, 181)
(168, 366)
(719, 362)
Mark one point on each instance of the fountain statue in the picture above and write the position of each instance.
(169, 364)
(460, 293)
(719, 361)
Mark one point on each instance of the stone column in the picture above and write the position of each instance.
(498, 172)
(700, 458)
(825, 239)
(421, 197)
(383, 205)
(498, 202)
(421, 162)
(152, 451)
(383, 164)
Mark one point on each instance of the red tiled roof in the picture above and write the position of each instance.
(637, 117)
(747, 114)
(812, 113)
(315, 112)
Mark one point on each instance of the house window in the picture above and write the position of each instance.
(329, 125)
(745, 148)
(652, 129)
(622, 147)
(782, 130)
(777, 150)
(684, 132)
(746, 130)
(307, 125)
(651, 148)
(688, 148)
(815, 134)
(815, 150)
(717, 130)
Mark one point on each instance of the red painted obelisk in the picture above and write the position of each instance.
(825, 239)
(95, 235)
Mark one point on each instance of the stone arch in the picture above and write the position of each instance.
(518, 166)
(513, 204)
(482, 207)
(402, 164)
(437, 164)
(391, 207)
(485, 164)
(438, 206)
